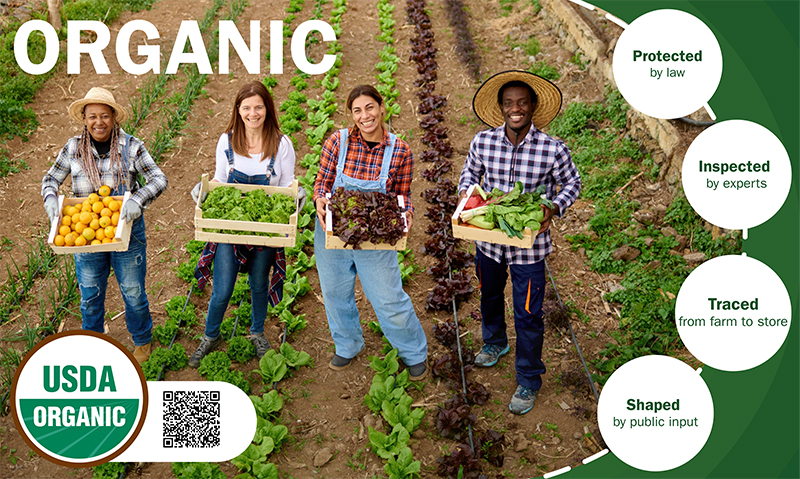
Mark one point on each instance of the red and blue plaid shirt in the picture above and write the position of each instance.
(364, 163)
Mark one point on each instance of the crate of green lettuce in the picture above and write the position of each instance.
(247, 214)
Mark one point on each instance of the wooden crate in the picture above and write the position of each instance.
(288, 232)
(333, 242)
(465, 231)
(121, 238)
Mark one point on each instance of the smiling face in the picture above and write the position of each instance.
(368, 115)
(99, 120)
(253, 112)
(517, 108)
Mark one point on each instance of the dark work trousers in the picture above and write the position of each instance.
(527, 281)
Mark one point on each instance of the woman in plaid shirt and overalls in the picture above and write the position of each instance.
(369, 158)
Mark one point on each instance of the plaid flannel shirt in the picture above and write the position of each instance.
(364, 163)
(538, 159)
(139, 162)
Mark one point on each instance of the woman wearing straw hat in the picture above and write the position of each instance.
(103, 154)
(516, 105)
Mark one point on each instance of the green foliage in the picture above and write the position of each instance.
(391, 445)
(216, 366)
(172, 359)
(404, 467)
(106, 11)
(265, 429)
(269, 405)
(532, 47)
(402, 414)
(241, 349)
(109, 470)
(385, 367)
(389, 389)
(272, 367)
(408, 266)
(197, 470)
(294, 358)
(228, 202)
(544, 70)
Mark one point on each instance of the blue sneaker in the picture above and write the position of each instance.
(522, 400)
(489, 354)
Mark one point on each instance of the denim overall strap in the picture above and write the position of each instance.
(387, 161)
(364, 185)
(342, 152)
(120, 190)
(229, 156)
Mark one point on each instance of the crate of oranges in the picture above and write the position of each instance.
(90, 225)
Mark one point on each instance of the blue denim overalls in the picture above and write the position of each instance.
(227, 267)
(380, 279)
(130, 269)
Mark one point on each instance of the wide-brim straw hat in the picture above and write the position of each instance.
(97, 95)
(488, 110)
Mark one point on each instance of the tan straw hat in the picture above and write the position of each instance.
(488, 110)
(96, 95)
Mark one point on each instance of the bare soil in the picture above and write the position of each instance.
(325, 408)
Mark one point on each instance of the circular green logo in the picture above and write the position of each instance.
(79, 399)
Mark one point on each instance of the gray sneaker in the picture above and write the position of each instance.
(206, 346)
(261, 343)
(522, 400)
(489, 355)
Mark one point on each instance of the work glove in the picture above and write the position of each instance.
(131, 211)
(196, 193)
(301, 197)
(51, 207)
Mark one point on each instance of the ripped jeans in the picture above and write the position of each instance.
(130, 268)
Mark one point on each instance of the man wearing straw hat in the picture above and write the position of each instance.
(103, 154)
(516, 105)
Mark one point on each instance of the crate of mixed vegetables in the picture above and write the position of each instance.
(512, 218)
(365, 220)
(247, 214)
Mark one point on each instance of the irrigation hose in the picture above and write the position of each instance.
(460, 361)
(571, 332)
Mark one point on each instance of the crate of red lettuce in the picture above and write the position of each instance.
(247, 214)
(365, 220)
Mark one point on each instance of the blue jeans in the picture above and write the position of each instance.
(130, 268)
(527, 281)
(380, 279)
(226, 271)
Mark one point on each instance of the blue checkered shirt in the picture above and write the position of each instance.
(538, 159)
(139, 162)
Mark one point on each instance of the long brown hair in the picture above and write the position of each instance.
(270, 132)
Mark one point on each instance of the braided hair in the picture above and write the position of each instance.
(89, 164)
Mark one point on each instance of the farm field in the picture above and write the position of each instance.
(627, 200)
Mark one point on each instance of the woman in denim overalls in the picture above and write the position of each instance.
(375, 162)
(253, 151)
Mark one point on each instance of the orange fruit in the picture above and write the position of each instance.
(80, 241)
(110, 231)
(72, 210)
(105, 221)
(86, 217)
(88, 233)
(64, 230)
(105, 190)
(76, 218)
(96, 242)
(97, 206)
(69, 240)
(86, 206)
(66, 220)
(105, 212)
(59, 241)
(94, 224)
(107, 200)
(99, 234)
(79, 227)
(115, 219)
(106, 240)
(93, 197)
(114, 205)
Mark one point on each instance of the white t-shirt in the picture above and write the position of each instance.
(252, 165)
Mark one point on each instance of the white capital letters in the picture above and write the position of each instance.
(299, 46)
(95, 50)
(21, 47)
(150, 51)
(189, 30)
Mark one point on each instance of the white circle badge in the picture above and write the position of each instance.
(667, 64)
(736, 174)
(79, 399)
(733, 313)
(655, 413)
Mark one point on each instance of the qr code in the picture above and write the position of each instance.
(191, 419)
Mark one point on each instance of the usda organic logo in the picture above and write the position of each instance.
(79, 399)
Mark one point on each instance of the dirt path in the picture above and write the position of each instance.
(325, 409)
